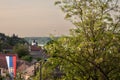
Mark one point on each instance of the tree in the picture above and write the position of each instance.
(21, 50)
(18, 77)
(6, 41)
(92, 51)
(14, 40)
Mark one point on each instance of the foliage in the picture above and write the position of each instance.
(37, 76)
(18, 76)
(27, 58)
(1, 77)
(6, 41)
(92, 51)
(21, 50)
(16, 40)
(45, 71)
(40, 40)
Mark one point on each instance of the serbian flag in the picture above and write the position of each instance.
(11, 63)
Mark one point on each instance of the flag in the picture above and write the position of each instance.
(11, 63)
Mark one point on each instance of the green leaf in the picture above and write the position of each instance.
(57, 2)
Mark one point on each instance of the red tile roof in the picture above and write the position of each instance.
(3, 63)
(22, 65)
(35, 48)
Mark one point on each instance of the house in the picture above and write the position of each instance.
(30, 71)
(3, 63)
(23, 67)
(37, 52)
(3, 66)
(27, 69)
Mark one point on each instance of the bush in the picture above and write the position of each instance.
(27, 58)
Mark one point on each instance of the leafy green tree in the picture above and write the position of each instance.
(14, 40)
(18, 76)
(45, 72)
(27, 58)
(0, 45)
(92, 51)
(6, 41)
(21, 50)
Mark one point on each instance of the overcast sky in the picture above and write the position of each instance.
(32, 18)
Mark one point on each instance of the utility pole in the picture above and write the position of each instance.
(40, 70)
(41, 64)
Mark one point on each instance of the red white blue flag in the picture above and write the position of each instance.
(11, 63)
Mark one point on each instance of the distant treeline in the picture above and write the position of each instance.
(10, 41)
(40, 40)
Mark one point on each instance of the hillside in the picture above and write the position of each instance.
(40, 40)
(10, 41)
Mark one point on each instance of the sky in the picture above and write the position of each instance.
(32, 18)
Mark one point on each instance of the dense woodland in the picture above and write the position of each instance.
(16, 45)
(10, 41)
